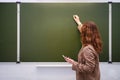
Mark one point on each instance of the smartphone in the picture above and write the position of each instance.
(64, 56)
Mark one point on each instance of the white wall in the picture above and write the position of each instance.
(51, 71)
(36, 71)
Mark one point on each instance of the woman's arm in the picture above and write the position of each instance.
(90, 62)
(77, 20)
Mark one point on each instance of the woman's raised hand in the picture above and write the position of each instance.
(77, 20)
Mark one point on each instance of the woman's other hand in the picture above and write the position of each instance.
(69, 60)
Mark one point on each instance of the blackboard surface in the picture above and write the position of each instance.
(48, 30)
(8, 32)
(116, 32)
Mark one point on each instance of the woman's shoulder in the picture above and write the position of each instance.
(89, 48)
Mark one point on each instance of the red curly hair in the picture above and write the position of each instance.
(90, 35)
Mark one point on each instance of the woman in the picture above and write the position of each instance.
(87, 66)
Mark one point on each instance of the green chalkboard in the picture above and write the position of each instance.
(48, 30)
(116, 32)
(8, 32)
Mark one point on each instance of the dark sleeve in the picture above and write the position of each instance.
(90, 61)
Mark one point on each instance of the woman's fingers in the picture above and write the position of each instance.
(77, 20)
(75, 16)
(70, 60)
